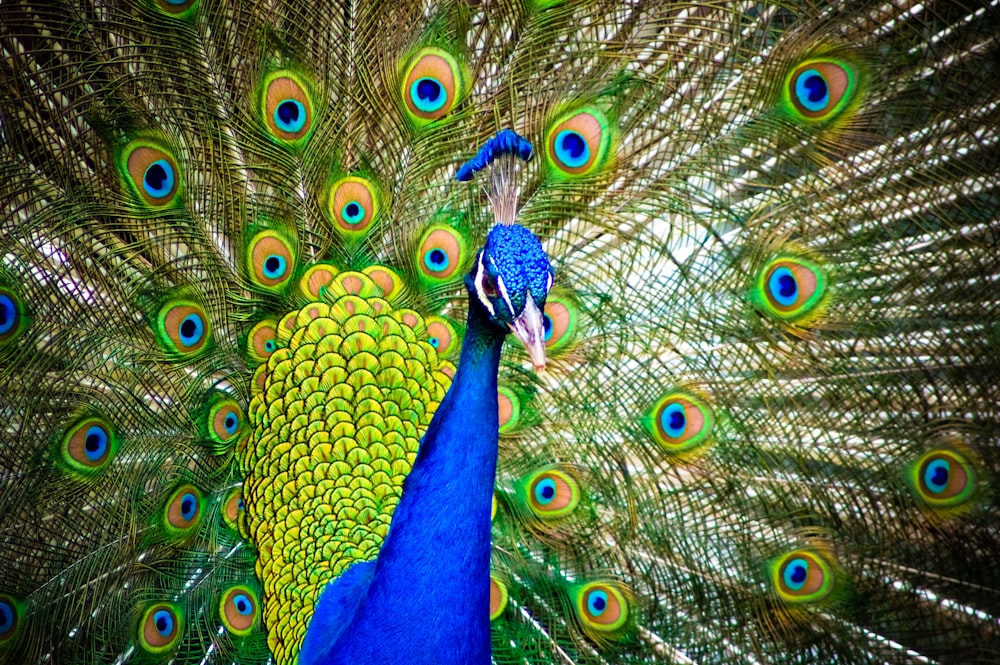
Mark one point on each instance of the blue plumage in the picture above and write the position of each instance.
(427, 594)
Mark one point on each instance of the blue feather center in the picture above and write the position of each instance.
(353, 213)
(436, 260)
(673, 420)
(8, 314)
(812, 90)
(597, 602)
(6, 617)
(783, 286)
(192, 329)
(158, 180)
(96, 444)
(189, 506)
(572, 149)
(275, 266)
(231, 422)
(428, 95)
(242, 604)
(290, 116)
(936, 476)
(795, 574)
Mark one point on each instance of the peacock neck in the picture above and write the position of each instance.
(432, 573)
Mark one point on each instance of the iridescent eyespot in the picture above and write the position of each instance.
(498, 598)
(819, 89)
(791, 289)
(182, 327)
(161, 628)
(238, 610)
(270, 260)
(602, 609)
(232, 507)
(552, 493)
(559, 319)
(353, 204)
(89, 445)
(287, 108)
(182, 513)
(151, 173)
(433, 83)
(943, 479)
(509, 408)
(801, 576)
(578, 143)
(10, 618)
(442, 336)
(680, 422)
(224, 421)
(440, 254)
(262, 341)
(177, 8)
(12, 319)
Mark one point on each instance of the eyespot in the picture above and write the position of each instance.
(161, 628)
(510, 409)
(182, 327)
(183, 511)
(943, 479)
(89, 445)
(442, 336)
(432, 85)
(552, 494)
(151, 173)
(792, 289)
(819, 89)
(177, 8)
(353, 204)
(287, 108)
(238, 610)
(10, 618)
(578, 143)
(262, 340)
(602, 608)
(12, 320)
(680, 422)
(498, 598)
(560, 320)
(270, 261)
(801, 576)
(232, 508)
(441, 254)
(224, 422)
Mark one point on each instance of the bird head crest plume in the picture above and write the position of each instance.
(261, 400)
(511, 275)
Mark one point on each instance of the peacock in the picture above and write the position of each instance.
(499, 331)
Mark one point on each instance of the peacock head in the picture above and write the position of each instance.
(510, 280)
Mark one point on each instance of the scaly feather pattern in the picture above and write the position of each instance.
(232, 253)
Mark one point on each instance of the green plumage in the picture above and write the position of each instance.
(769, 428)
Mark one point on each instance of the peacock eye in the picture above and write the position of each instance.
(489, 286)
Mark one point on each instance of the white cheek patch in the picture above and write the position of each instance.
(503, 294)
(480, 291)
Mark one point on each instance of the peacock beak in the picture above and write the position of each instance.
(530, 329)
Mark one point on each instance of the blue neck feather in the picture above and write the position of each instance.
(426, 597)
